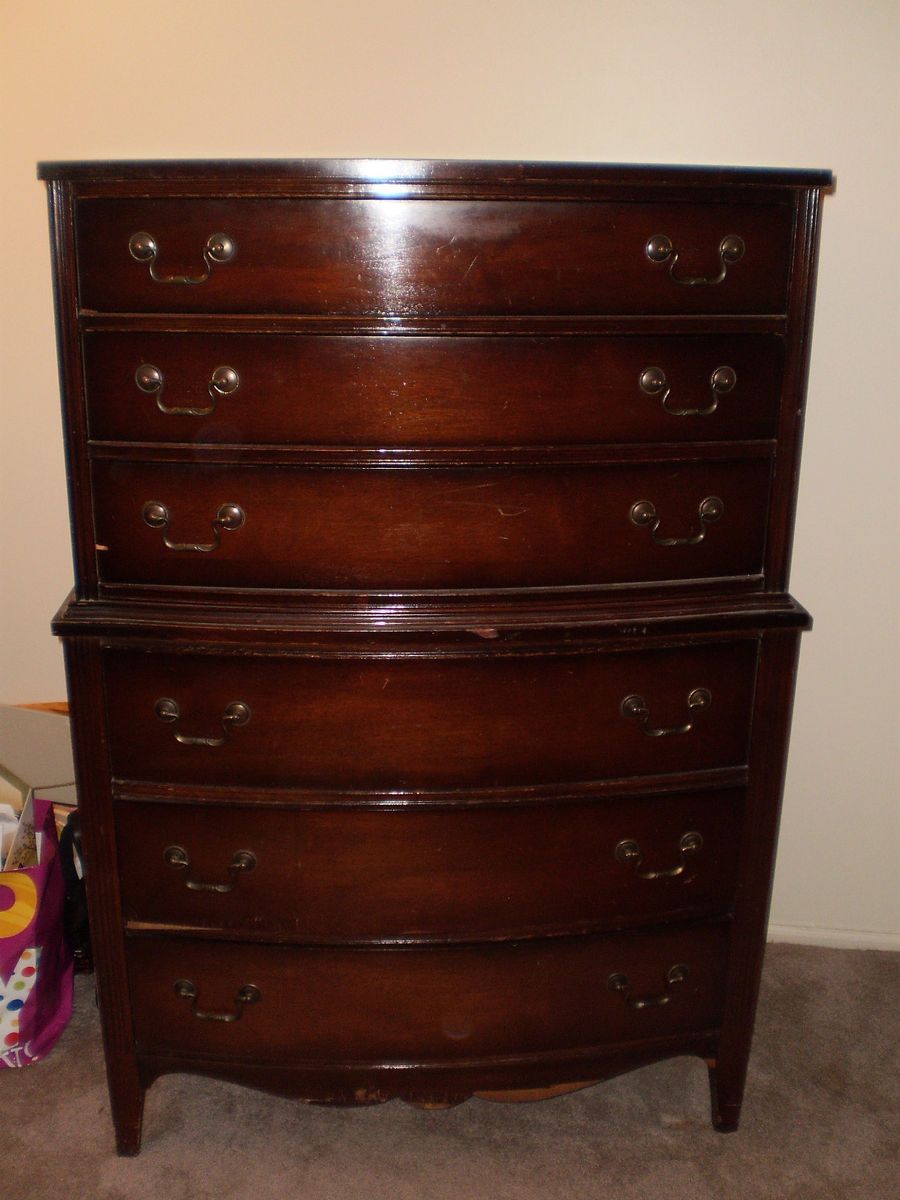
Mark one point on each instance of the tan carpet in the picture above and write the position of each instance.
(820, 1121)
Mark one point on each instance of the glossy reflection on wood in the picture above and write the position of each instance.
(411, 257)
(420, 721)
(380, 873)
(430, 657)
(429, 528)
(431, 391)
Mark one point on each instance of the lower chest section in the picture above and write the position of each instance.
(424, 855)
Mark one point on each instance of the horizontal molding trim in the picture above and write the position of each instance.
(835, 939)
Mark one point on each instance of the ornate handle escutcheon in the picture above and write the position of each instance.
(241, 861)
(151, 381)
(635, 707)
(629, 851)
(622, 984)
(659, 249)
(236, 713)
(248, 994)
(229, 516)
(643, 513)
(219, 249)
(652, 382)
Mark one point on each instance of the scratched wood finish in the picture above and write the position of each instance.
(437, 529)
(436, 257)
(437, 1086)
(436, 768)
(444, 1004)
(430, 391)
(398, 722)
(379, 874)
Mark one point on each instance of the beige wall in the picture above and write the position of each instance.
(772, 82)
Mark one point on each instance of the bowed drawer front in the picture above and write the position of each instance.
(369, 392)
(367, 871)
(430, 654)
(416, 721)
(422, 257)
(517, 999)
(253, 527)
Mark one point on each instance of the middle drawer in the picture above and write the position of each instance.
(420, 720)
(381, 874)
(372, 391)
(429, 528)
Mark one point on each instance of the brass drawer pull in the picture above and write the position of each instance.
(237, 713)
(653, 380)
(629, 851)
(219, 248)
(622, 984)
(229, 516)
(659, 249)
(643, 513)
(636, 708)
(248, 994)
(242, 860)
(151, 381)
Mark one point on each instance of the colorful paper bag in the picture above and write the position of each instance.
(35, 963)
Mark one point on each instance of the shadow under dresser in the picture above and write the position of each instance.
(430, 655)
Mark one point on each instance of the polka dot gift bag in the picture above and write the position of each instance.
(35, 963)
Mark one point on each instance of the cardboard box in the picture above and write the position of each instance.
(35, 760)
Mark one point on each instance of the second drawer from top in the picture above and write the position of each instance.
(376, 391)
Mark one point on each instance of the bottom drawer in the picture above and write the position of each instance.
(325, 1005)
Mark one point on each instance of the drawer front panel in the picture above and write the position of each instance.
(420, 257)
(431, 391)
(381, 874)
(414, 722)
(426, 528)
(334, 1005)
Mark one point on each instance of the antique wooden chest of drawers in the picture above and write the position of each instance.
(430, 653)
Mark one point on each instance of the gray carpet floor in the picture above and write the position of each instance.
(819, 1121)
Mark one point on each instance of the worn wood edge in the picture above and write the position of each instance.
(395, 605)
(296, 798)
(661, 923)
(531, 1095)
(587, 930)
(406, 648)
(478, 616)
(375, 1083)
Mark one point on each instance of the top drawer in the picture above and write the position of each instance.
(414, 258)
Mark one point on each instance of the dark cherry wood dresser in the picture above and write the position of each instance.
(430, 652)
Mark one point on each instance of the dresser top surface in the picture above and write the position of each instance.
(394, 170)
